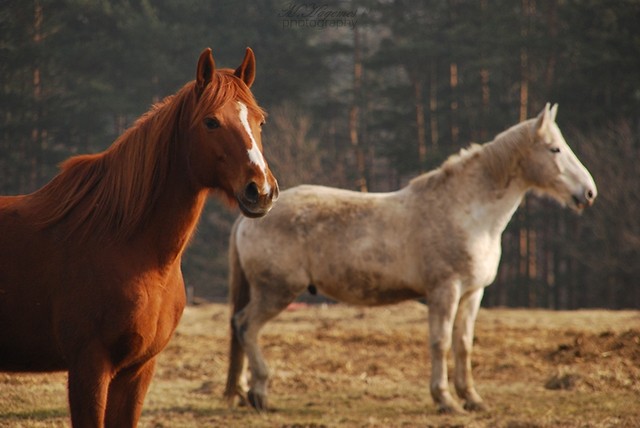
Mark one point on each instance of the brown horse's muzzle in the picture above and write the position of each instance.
(253, 203)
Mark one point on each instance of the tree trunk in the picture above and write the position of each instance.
(484, 79)
(420, 125)
(532, 268)
(453, 82)
(35, 151)
(354, 113)
(528, 8)
(552, 24)
(433, 103)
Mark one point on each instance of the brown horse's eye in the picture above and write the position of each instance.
(211, 123)
(555, 149)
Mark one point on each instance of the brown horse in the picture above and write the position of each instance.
(90, 278)
(437, 238)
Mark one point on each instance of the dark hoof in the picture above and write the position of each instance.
(450, 409)
(236, 398)
(242, 400)
(475, 406)
(257, 401)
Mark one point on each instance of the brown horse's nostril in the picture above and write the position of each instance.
(589, 195)
(251, 193)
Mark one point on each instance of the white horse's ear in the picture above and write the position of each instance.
(546, 117)
(554, 112)
(542, 121)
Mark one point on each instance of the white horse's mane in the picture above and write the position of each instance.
(498, 156)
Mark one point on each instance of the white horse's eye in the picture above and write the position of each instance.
(555, 149)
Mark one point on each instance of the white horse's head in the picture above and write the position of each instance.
(552, 168)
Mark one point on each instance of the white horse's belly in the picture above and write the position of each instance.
(365, 287)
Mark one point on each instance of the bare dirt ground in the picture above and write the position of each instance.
(339, 366)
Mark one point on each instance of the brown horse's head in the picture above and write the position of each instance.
(224, 136)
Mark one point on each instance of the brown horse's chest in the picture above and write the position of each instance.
(148, 325)
(133, 316)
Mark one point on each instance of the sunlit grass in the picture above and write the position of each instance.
(354, 367)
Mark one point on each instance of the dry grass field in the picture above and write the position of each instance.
(339, 366)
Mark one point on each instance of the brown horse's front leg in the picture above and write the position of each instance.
(89, 376)
(443, 304)
(462, 347)
(126, 395)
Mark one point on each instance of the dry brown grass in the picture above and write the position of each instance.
(341, 366)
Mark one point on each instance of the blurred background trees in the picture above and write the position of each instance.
(361, 95)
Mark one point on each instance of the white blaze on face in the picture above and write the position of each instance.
(255, 156)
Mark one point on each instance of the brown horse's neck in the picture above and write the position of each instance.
(172, 222)
(106, 197)
(137, 191)
(173, 216)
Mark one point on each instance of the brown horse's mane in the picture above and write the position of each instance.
(498, 157)
(109, 195)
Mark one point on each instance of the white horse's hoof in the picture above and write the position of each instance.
(475, 406)
(258, 401)
(451, 408)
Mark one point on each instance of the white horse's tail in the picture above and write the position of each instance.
(239, 297)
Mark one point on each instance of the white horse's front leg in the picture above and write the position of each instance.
(443, 304)
(462, 347)
(247, 325)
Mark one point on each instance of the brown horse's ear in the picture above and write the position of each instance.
(206, 68)
(247, 70)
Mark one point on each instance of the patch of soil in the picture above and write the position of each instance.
(583, 347)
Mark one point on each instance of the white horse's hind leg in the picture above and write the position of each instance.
(242, 389)
(443, 304)
(247, 324)
(462, 347)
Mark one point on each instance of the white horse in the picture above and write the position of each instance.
(438, 238)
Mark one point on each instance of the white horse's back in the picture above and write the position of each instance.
(313, 230)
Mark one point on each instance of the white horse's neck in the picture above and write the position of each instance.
(491, 215)
(470, 200)
(494, 186)
(480, 188)
(493, 189)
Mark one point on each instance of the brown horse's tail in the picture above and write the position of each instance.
(239, 297)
